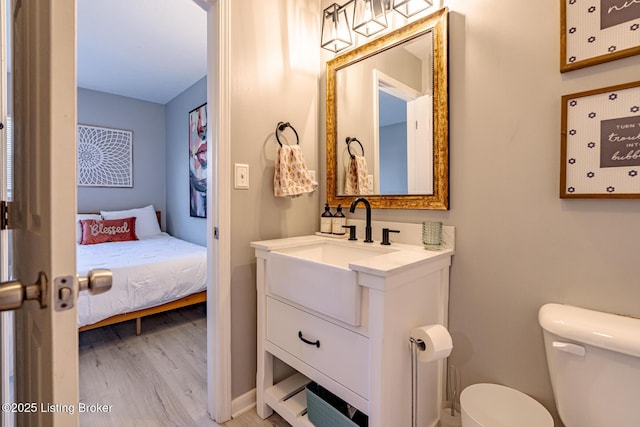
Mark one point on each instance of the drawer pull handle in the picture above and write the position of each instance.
(306, 341)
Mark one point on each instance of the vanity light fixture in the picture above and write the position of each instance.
(369, 18)
(335, 29)
(408, 8)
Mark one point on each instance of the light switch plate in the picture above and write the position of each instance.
(241, 176)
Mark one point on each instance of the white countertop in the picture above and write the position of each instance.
(399, 258)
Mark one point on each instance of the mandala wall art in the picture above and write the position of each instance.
(601, 143)
(105, 157)
(596, 31)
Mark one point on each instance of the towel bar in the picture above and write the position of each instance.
(349, 141)
(281, 127)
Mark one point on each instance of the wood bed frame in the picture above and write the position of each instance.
(139, 314)
(192, 299)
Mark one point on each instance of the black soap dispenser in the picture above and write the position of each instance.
(326, 222)
(338, 222)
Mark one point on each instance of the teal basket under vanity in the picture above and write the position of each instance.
(325, 409)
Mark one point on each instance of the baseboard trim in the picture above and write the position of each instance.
(243, 403)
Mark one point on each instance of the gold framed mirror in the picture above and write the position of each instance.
(406, 158)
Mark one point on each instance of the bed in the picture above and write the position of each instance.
(153, 274)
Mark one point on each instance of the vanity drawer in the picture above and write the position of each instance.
(341, 354)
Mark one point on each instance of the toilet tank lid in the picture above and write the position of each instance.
(605, 330)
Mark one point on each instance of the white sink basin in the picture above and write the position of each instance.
(317, 276)
(339, 255)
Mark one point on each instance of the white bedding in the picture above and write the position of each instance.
(146, 273)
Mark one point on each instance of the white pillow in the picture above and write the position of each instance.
(146, 220)
(79, 227)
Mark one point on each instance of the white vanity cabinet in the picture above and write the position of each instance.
(368, 364)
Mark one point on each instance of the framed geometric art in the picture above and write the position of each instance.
(105, 157)
(600, 139)
(198, 162)
(596, 31)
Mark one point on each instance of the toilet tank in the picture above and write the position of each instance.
(594, 365)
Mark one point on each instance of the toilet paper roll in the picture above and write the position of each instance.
(438, 343)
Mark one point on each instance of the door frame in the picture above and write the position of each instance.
(385, 83)
(218, 200)
(218, 203)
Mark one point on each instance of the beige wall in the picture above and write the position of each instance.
(518, 245)
(274, 77)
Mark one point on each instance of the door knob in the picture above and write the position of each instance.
(96, 282)
(13, 293)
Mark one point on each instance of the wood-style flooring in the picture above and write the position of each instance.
(156, 379)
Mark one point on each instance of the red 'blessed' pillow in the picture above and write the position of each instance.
(108, 230)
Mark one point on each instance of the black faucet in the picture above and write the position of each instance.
(385, 236)
(367, 230)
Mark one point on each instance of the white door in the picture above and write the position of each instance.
(420, 145)
(44, 114)
(6, 318)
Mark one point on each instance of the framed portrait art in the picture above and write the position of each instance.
(198, 161)
(600, 138)
(596, 31)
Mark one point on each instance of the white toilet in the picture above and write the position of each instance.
(493, 405)
(594, 363)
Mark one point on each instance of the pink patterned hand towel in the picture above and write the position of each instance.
(356, 177)
(292, 178)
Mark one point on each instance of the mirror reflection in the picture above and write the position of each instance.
(385, 104)
(388, 119)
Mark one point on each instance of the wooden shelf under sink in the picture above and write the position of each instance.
(289, 399)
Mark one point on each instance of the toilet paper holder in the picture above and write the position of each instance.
(439, 343)
(416, 345)
(419, 343)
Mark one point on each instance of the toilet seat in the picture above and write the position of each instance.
(493, 405)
